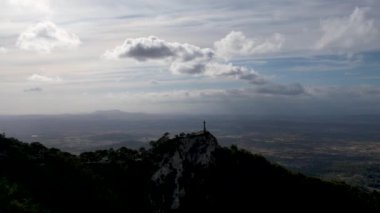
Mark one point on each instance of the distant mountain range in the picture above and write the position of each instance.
(183, 173)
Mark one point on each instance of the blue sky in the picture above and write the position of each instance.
(210, 56)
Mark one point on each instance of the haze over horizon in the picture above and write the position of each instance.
(199, 57)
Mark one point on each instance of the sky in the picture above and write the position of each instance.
(290, 57)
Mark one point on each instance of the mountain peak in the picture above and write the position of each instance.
(190, 152)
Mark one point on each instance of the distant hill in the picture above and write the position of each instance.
(184, 173)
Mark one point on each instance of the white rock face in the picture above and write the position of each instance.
(195, 149)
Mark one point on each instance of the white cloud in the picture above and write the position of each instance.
(3, 50)
(217, 69)
(42, 78)
(239, 72)
(46, 36)
(39, 5)
(182, 58)
(237, 44)
(150, 48)
(188, 67)
(352, 33)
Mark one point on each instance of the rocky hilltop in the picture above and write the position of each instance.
(190, 151)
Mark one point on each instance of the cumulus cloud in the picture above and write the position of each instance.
(182, 58)
(34, 89)
(190, 67)
(42, 78)
(217, 69)
(239, 72)
(355, 32)
(237, 44)
(46, 36)
(150, 48)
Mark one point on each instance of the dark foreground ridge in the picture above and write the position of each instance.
(185, 173)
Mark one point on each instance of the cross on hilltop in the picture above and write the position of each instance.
(204, 127)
